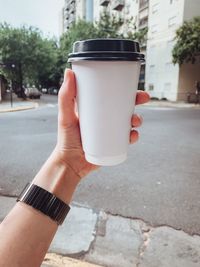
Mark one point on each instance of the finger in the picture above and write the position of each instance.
(136, 120)
(66, 99)
(134, 136)
(142, 97)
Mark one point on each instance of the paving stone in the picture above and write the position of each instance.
(167, 247)
(120, 244)
(53, 260)
(76, 233)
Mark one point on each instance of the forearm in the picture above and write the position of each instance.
(25, 234)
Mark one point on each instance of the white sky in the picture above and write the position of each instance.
(43, 14)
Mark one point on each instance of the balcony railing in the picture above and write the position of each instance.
(143, 23)
(104, 2)
(71, 19)
(143, 4)
(118, 5)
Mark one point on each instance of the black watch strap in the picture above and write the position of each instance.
(45, 202)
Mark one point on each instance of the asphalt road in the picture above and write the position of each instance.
(159, 183)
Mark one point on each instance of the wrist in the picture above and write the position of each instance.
(58, 178)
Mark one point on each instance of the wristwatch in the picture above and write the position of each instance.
(45, 202)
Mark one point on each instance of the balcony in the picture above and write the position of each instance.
(104, 2)
(143, 13)
(118, 5)
(71, 8)
(143, 23)
(143, 4)
(68, 2)
(71, 19)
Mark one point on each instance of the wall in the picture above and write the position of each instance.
(191, 9)
(189, 74)
(61, 21)
(80, 9)
(89, 11)
(161, 75)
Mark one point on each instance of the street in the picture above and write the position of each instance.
(159, 183)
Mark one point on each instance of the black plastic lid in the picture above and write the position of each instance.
(106, 49)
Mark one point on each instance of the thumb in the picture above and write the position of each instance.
(66, 100)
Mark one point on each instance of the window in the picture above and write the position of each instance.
(155, 8)
(151, 87)
(169, 46)
(154, 28)
(167, 87)
(170, 41)
(172, 21)
(168, 66)
(152, 48)
(143, 22)
(151, 68)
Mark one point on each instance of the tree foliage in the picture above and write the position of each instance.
(187, 47)
(27, 57)
(107, 27)
(140, 36)
(80, 30)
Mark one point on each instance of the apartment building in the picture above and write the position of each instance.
(77, 9)
(159, 75)
(90, 10)
(163, 78)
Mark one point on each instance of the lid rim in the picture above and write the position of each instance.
(75, 59)
(106, 49)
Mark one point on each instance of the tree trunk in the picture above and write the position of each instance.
(22, 93)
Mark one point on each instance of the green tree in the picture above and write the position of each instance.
(81, 30)
(140, 36)
(187, 47)
(109, 26)
(27, 57)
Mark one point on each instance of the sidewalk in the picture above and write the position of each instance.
(18, 104)
(54, 260)
(170, 104)
(114, 241)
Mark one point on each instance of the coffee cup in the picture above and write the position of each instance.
(107, 73)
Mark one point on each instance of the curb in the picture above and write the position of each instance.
(55, 260)
(19, 108)
(171, 105)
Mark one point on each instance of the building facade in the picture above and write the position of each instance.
(159, 76)
(75, 10)
(90, 10)
(163, 79)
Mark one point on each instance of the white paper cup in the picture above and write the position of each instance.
(106, 91)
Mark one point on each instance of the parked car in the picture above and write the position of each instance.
(44, 90)
(33, 93)
(53, 91)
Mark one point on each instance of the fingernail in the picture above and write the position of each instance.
(66, 74)
(141, 119)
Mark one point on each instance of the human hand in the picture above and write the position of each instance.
(69, 148)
